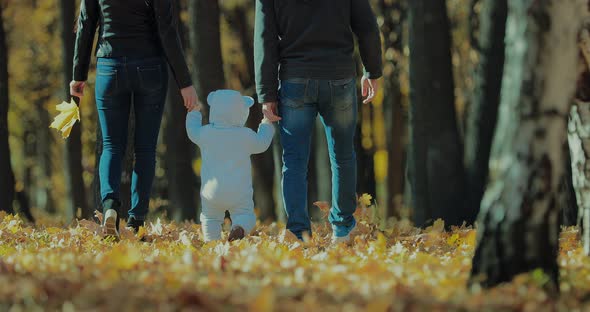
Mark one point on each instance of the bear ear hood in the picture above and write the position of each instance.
(229, 108)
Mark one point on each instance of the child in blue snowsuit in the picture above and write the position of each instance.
(226, 175)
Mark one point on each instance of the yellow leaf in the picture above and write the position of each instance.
(67, 118)
(264, 302)
(453, 240)
(366, 200)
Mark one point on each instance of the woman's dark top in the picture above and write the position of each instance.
(129, 28)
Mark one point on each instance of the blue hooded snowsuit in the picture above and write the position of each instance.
(226, 146)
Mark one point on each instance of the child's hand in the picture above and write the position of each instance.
(195, 108)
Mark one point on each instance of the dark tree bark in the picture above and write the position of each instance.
(75, 188)
(394, 15)
(436, 154)
(483, 109)
(205, 41)
(6, 174)
(182, 181)
(262, 164)
(519, 218)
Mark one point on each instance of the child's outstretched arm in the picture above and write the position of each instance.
(262, 139)
(194, 124)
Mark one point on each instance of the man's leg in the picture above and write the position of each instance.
(338, 110)
(298, 118)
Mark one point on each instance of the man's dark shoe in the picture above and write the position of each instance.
(134, 224)
(237, 233)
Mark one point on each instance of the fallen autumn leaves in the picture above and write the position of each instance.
(398, 269)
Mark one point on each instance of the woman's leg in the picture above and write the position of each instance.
(149, 100)
(113, 102)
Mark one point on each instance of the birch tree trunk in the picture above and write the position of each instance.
(483, 109)
(519, 219)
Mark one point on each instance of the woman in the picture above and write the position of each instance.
(137, 41)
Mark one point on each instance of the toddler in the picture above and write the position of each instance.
(226, 174)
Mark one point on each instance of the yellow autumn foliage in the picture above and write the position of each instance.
(48, 267)
(69, 114)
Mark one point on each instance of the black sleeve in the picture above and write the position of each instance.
(266, 52)
(170, 38)
(364, 25)
(87, 22)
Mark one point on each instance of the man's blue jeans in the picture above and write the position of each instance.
(119, 83)
(336, 102)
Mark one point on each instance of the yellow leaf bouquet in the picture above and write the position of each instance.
(69, 113)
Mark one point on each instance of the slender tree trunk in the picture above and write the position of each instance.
(205, 41)
(394, 15)
(75, 188)
(43, 145)
(436, 156)
(262, 164)
(182, 181)
(519, 220)
(483, 109)
(6, 174)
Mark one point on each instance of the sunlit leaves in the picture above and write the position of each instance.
(69, 114)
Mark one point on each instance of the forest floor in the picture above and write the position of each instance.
(398, 269)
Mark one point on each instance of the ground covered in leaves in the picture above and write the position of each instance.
(167, 267)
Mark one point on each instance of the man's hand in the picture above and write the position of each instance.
(77, 88)
(190, 98)
(370, 88)
(269, 109)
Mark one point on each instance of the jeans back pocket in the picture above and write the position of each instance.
(150, 78)
(292, 92)
(343, 93)
(106, 81)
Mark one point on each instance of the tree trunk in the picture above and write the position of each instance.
(519, 219)
(394, 14)
(6, 174)
(205, 41)
(182, 181)
(75, 188)
(579, 143)
(436, 154)
(483, 109)
(262, 164)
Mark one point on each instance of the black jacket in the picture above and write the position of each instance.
(129, 28)
(313, 39)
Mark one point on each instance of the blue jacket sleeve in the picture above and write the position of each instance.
(260, 141)
(194, 125)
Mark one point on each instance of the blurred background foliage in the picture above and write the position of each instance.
(35, 87)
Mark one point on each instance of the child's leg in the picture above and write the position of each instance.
(211, 221)
(245, 218)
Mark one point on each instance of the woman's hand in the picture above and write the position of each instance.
(77, 88)
(190, 98)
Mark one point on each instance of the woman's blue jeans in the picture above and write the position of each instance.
(119, 83)
(301, 100)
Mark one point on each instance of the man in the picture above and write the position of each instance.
(307, 46)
